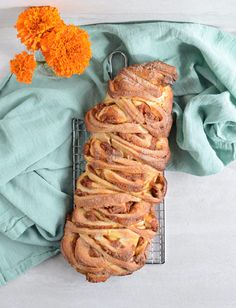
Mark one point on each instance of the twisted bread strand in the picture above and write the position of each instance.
(113, 220)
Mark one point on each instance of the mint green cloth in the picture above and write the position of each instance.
(35, 127)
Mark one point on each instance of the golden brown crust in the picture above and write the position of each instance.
(114, 220)
(142, 80)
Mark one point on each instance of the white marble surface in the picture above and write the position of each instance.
(215, 12)
(200, 268)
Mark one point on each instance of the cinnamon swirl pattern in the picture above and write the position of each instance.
(113, 220)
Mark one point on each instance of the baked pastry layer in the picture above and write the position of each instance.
(113, 220)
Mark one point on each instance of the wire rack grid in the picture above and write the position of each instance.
(79, 137)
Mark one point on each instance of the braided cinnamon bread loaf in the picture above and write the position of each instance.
(113, 220)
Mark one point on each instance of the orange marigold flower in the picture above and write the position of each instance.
(67, 50)
(34, 22)
(23, 66)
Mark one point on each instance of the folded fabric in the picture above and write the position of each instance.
(35, 127)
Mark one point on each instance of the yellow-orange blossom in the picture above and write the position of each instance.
(34, 22)
(67, 50)
(23, 66)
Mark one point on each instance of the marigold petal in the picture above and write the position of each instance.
(67, 50)
(34, 22)
(23, 66)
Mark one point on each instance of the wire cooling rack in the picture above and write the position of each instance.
(79, 137)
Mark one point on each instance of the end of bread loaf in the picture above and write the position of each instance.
(145, 80)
